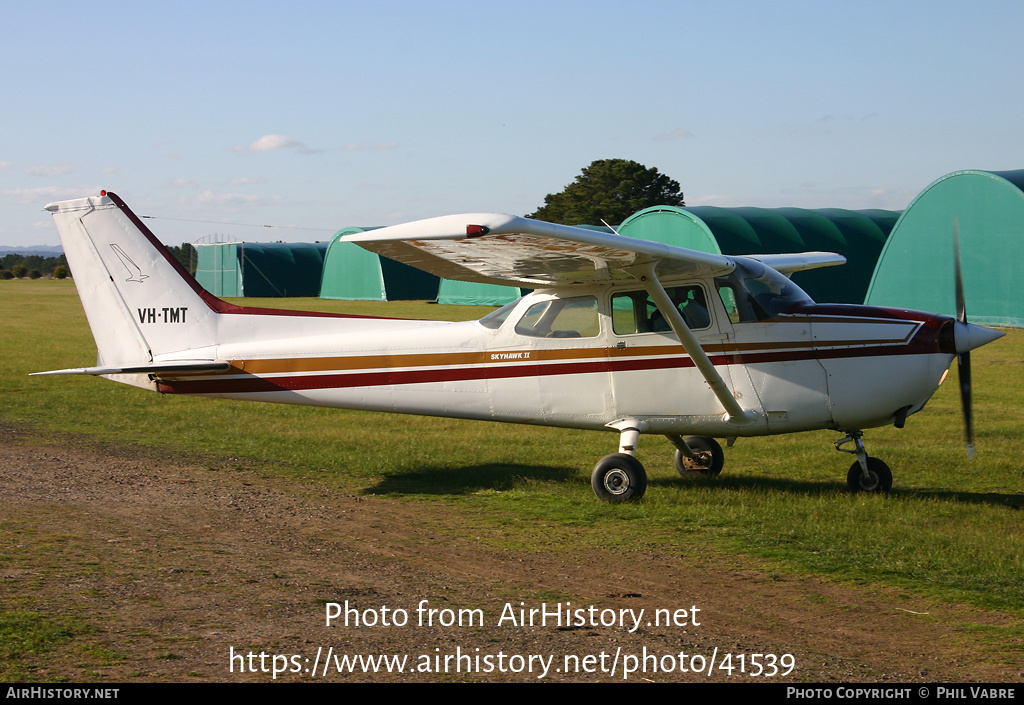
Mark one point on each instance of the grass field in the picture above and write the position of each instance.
(950, 529)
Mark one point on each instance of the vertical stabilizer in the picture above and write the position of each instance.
(139, 301)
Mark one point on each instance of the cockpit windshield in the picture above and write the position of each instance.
(494, 319)
(754, 292)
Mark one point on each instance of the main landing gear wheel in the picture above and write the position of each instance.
(709, 461)
(879, 477)
(619, 478)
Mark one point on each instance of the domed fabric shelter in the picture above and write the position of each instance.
(351, 272)
(260, 268)
(476, 293)
(916, 268)
(218, 269)
(857, 235)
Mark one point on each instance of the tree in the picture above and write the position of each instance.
(609, 190)
(186, 255)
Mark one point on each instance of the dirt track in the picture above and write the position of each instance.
(174, 563)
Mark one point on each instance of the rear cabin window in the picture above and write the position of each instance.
(561, 318)
(635, 312)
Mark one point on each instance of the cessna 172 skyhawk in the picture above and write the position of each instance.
(619, 333)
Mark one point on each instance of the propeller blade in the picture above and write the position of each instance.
(963, 359)
(961, 306)
(964, 369)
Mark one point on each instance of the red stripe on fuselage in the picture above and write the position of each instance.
(380, 378)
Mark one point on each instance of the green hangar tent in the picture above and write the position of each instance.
(218, 269)
(916, 268)
(260, 268)
(353, 273)
(476, 293)
(857, 235)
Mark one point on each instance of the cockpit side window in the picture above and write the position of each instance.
(574, 317)
(635, 312)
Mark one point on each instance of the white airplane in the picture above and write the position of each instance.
(619, 333)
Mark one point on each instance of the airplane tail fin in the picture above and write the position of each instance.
(140, 302)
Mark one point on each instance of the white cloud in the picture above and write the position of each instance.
(44, 194)
(47, 170)
(227, 199)
(681, 133)
(5, 165)
(270, 143)
(183, 182)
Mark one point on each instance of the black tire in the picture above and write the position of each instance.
(879, 480)
(710, 458)
(619, 478)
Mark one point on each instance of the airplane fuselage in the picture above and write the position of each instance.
(815, 366)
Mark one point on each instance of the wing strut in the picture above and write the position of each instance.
(646, 275)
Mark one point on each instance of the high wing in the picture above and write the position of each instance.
(797, 262)
(509, 250)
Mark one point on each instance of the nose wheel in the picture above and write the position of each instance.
(867, 474)
(877, 479)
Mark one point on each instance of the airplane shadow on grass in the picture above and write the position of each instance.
(811, 488)
(469, 479)
(502, 477)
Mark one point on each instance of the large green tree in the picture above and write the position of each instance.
(610, 190)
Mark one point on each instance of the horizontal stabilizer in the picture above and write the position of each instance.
(152, 368)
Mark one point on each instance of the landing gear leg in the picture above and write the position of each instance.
(867, 474)
(620, 477)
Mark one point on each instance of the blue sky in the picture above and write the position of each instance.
(322, 115)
